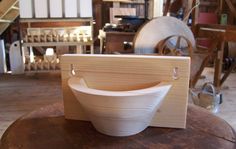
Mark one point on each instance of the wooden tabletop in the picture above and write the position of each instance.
(46, 128)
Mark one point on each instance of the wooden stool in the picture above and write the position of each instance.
(47, 128)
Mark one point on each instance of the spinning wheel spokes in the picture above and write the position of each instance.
(175, 45)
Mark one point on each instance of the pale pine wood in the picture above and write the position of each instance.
(108, 72)
(109, 110)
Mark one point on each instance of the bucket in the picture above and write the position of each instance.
(207, 97)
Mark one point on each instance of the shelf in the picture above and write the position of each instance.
(61, 23)
(42, 71)
(22, 20)
(47, 44)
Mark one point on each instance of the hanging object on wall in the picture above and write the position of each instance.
(26, 10)
(118, 99)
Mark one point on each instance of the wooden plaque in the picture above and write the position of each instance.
(124, 70)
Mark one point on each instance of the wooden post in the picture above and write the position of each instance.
(167, 7)
(194, 17)
(231, 7)
(218, 64)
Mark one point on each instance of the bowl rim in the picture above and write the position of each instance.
(79, 84)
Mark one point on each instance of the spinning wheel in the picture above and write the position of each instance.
(158, 29)
(172, 46)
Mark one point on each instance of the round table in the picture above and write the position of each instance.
(46, 128)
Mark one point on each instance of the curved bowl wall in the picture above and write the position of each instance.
(119, 113)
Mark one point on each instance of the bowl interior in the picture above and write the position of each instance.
(109, 85)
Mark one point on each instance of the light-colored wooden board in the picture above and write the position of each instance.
(120, 11)
(56, 8)
(71, 8)
(158, 29)
(124, 71)
(41, 8)
(26, 10)
(85, 8)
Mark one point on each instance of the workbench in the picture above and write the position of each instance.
(47, 128)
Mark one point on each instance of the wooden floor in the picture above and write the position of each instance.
(24, 93)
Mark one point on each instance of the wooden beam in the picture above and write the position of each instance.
(14, 7)
(5, 6)
(231, 7)
(5, 21)
(11, 15)
(167, 7)
(188, 8)
(9, 10)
